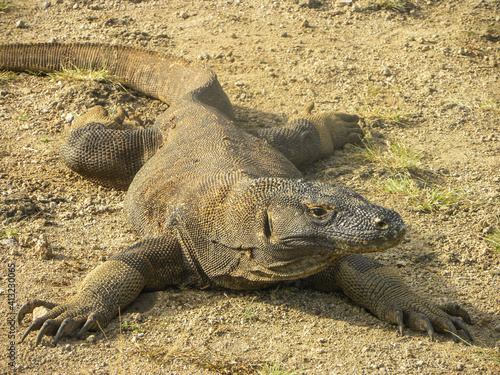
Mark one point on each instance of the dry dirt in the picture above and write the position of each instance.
(426, 75)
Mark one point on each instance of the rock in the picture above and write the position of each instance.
(39, 312)
(204, 56)
(12, 245)
(21, 24)
(46, 5)
(386, 72)
(137, 317)
(43, 249)
(91, 339)
(69, 117)
(26, 240)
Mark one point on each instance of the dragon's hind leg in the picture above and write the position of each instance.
(109, 150)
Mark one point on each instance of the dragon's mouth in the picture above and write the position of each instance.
(346, 244)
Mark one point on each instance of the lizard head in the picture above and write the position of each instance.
(332, 218)
(294, 228)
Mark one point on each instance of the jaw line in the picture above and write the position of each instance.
(339, 247)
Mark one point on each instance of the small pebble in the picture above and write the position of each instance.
(43, 249)
(12, 243)
(69, 117)
(386, 72)
(46, 5)
(137, 317)
(91, 339)
(204, 56)
(39, 311)
(21, 24)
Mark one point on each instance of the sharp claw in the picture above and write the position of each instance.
(46, 325)
(30, 328)
(455, 309)
(29, 306)
(60, 331)
(400, 321)
(464, 314)
(90, 321)
(464, 328)
(25, 309)
(453, 331)
(428, 327)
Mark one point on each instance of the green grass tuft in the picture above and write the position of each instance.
(9, 232)
(7, 75)
(77, 74)
(397, 158)
(397, 5)
(5, 6)
(401, 164)
(128, 326)
(423, 198)
(494, 238)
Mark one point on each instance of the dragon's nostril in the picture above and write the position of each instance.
(381, 223)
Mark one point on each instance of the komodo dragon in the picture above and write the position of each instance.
(217, 206)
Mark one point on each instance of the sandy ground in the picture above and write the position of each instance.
(426, 76)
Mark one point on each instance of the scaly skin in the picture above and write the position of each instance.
(217, 206)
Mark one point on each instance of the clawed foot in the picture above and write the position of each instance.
(62, 320)
(99, 114)
(335, 129)
(422, 316)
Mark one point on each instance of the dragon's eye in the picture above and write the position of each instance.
(318, 212)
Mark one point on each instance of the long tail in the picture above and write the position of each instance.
(162, 76)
